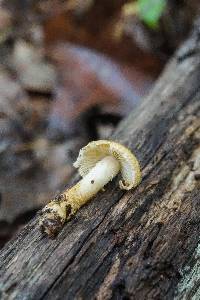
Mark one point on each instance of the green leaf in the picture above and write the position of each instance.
(150, 11)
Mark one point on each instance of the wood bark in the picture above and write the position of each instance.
(140, 244)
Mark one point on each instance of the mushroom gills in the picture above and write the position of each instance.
(95, 151)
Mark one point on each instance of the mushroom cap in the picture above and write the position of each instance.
(97, 150)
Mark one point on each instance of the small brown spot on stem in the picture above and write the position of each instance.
(68, 210)
(60, 197)
(92, 181)
(197, 176)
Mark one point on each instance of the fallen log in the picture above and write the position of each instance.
(140, 244)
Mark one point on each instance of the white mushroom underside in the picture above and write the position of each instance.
(97, 150)
(103, 172)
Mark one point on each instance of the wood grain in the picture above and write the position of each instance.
(128, 245)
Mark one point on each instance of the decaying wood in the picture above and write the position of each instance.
(136, 244)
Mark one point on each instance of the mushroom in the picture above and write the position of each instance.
(98, 163)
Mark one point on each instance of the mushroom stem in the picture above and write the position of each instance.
(65, 205)
(104, 171)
